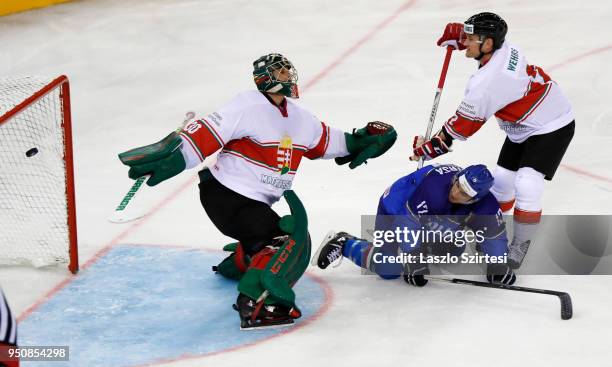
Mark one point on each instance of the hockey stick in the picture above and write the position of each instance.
(434, 108)
(564, 298)
(121, 213)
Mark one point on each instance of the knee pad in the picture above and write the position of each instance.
(529, 188)
(504, 187)
(385, 269)
(528, 210)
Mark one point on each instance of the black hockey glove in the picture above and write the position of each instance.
(414, 274)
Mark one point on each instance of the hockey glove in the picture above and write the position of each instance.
(500, 274)
(161, 160)
(368, 142)
(414, 274)
(453, 36)
(429, 149)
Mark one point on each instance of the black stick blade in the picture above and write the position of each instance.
(566, 306)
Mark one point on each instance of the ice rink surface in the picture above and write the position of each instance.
(137, 67)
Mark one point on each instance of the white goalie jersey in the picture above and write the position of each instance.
(261, 144)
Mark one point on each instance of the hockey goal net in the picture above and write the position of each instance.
(37, 205)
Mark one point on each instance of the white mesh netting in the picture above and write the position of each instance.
(33, 207)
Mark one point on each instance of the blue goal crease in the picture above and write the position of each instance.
(139, 304)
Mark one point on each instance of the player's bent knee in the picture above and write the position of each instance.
(529, 187)
(384, 262)
(504, 184)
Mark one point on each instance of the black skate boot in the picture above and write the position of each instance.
(330, 249)
(255, 315)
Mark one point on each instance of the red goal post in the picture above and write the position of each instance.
(37, 196)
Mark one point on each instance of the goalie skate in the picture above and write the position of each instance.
(255, 315)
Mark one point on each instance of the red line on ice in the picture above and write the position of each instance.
(580, 57)
(329, 296)
(340, 59)
(576, 170)
(582, 172)
(105, 249)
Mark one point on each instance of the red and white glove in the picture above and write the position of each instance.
(452, 36)
(429, 149)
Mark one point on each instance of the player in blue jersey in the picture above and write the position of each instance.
(433, 199)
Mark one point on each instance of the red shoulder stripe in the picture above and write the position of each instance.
(462, 128)
(319, 150)
(203, 136)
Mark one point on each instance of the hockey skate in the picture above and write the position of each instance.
(516, 253)
(257, 315)
(500, 274)
(330, 249)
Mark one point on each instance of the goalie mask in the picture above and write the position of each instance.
(273, 73)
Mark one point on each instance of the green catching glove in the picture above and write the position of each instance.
(368, 142)
(161, 160)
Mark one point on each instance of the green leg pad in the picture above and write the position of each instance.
(287, 265)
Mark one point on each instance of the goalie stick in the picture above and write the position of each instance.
(122, 214)
(564, 298)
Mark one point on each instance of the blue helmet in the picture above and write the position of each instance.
(475, 181)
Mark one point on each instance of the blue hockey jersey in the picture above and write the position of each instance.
(420, 200)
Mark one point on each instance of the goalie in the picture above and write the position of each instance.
(262, 136)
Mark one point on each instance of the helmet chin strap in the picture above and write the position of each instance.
(481, 54)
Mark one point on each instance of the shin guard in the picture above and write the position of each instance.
(275, 271)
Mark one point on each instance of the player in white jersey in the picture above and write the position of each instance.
(530, 108)
(262, 136)
(8, 334)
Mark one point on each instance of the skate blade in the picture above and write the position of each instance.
(278, 325)
(315, 257)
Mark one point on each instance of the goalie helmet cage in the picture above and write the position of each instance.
(37, 198)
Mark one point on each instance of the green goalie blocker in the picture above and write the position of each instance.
(161, 160)
(278, 275)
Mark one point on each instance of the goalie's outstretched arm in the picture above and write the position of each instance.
(161, 160)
